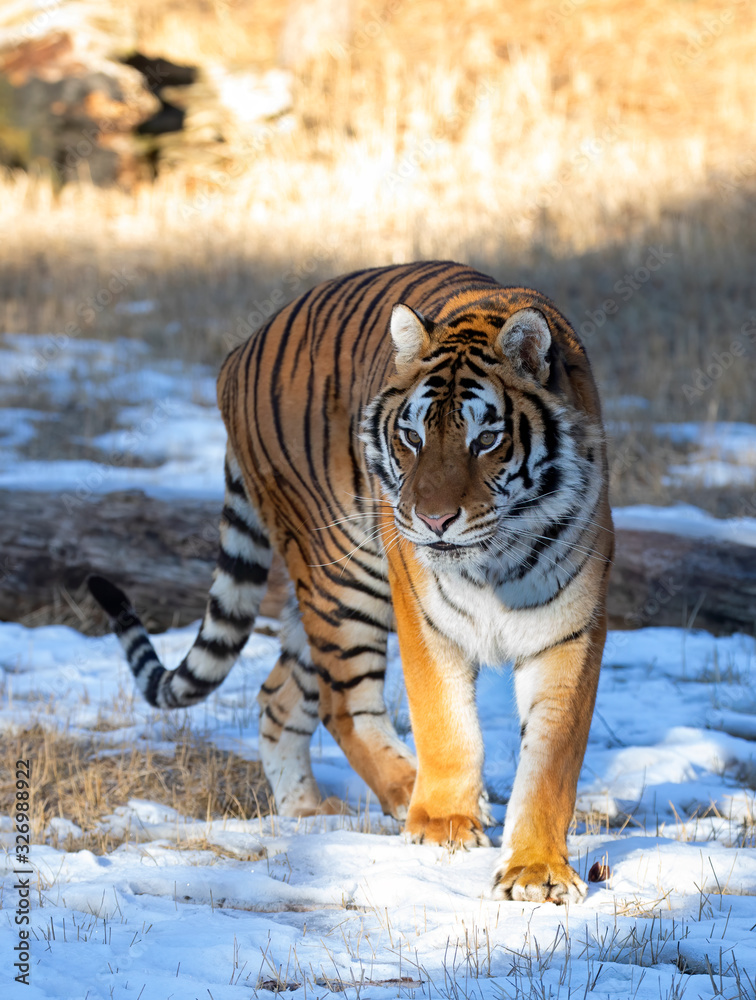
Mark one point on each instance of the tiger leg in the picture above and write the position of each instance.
(288, 717)
(448, 801)
(556, 691)
(348, 645)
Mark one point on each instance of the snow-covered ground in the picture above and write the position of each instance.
(344, 904)
(324, 903)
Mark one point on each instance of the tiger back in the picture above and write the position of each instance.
(424, 450)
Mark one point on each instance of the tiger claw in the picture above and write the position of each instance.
(455, 830)
(541, 882)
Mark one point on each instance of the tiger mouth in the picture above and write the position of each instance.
(446, 546)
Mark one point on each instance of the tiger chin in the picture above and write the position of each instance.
(423, 449)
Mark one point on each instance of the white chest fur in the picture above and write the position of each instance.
(489, 631)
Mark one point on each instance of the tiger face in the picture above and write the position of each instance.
(484, 466)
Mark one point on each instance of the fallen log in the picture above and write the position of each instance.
(163, 552)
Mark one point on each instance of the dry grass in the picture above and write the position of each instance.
(551, 144)
(85, 779)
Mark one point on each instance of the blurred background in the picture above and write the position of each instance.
(173, 172)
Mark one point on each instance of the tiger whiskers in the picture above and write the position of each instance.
(498, 544)
(374, 533)
(377, 500)
(343, 520)
(370, 538)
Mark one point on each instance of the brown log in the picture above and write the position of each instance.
(163, 552)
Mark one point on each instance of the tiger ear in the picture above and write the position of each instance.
(525, 340)
(408, 333)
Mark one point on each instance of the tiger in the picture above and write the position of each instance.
(423, 447)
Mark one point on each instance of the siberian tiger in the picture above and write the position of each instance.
(424, 448)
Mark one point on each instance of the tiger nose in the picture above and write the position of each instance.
(440, 523)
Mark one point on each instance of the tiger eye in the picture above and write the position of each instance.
(413, 437)
(486, 439)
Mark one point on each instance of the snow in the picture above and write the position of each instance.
(333, 905)
(722, 453)
(187, 908)
(139, 307)
(685, 519)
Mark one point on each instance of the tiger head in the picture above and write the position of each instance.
(478, 454)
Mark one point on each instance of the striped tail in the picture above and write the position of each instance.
(234, 600)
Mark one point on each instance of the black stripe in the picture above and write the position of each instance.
(354, 584)
(550, 425)
(241, 570)
(349, 653)
(525, 442)
(233, 485)
(236, 521)
(141, 640)
(538, 546)
(447, 600)
(342, 612)
(289, 657)
(138, 665)
(554, 645)
(483, 355)
(307, 695)
(562, 587)
(151, 690)
(308, 668)
(126, 619)
(480, 372)
(219, 613)
(219, 647)
(370, 675)
(202, 687)
(271, 690)
(271, 716)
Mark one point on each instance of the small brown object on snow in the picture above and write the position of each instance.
(599, 872)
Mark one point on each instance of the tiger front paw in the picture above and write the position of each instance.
(453, 830)
(552, 881)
